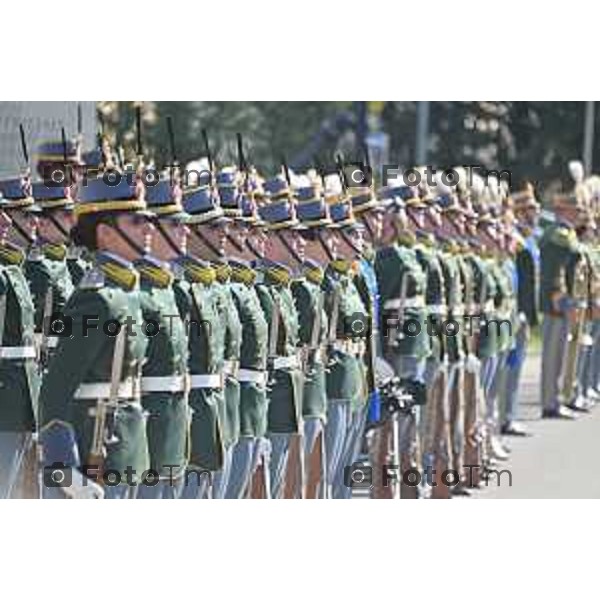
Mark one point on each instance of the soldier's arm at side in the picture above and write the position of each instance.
(73, 358)
(39, 280)
(306, 316)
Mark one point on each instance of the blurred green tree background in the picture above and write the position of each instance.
(533, 140)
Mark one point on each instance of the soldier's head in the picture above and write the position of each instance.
(112, 215)
(18, 203)
(394, 217)
(526, 207)
(569, 209)
(163, 199)
(59, 165)
(369, 211)
(348, 231)
(487, 227)
(313, 212)
(56, 212)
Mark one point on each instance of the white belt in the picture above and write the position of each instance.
(52, 341)
(349, 347)
(214, 380)
(458, 310)
(396, 303)
(489, 306)
(439, 309)
(286, 362)
(259, 377)
(168, 383)
(231, 367)
(16, 352)
(90, 391)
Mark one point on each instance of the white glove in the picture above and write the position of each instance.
(83, 488)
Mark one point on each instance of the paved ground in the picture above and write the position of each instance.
(559, 460)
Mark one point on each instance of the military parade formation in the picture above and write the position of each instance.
(214, 333)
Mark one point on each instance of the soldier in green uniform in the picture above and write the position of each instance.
(285, 249)
(586, 232)
(19, 376)
(383, 418)
(402, 286)
(457, 281)
(207, 244)
(560, 299)
(435, 433)
(504, 271)
(46, 266)
(347, 392)
(491, 297)
(92, 426)
(199, 298)
(309, 296)
(249, 461)
(587, 369)
(165, 370)
(58, 163)
(209, 239)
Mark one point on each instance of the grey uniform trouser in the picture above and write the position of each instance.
(514, 369)
(336, 433)
(595, 357)
(356, 427)
(246, 455)
(554, 337)
(13, 447)
(585, 361)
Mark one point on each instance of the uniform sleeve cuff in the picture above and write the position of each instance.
(58, 442)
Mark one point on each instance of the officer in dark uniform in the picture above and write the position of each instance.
(560, 299)
(19, 376)
(92, 426)
(165, 370)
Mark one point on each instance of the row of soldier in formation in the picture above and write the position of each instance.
(298, 325)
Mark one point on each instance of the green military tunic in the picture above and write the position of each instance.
(285, 374)
(197, 302)
(486, 290)
(429, 258)
(46, 268)
(504, 302)
(312, 317)
(253, 351)
(232, 327)
(454, 293)
(19, 377)
(402, 280)
(79, 372)
(346, 376)
(165, 367)
(559, 254)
